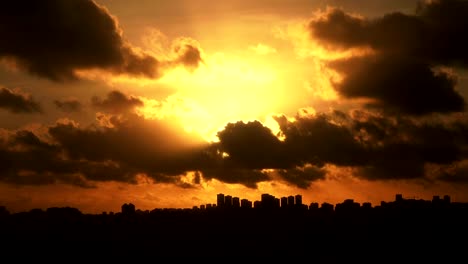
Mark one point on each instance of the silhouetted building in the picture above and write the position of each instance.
(4, 211)
(235, 202)
(269, 201)
(327, 207)
(398, 197)
(246, 203)
(298, 200)
(257, 204)
(290, 201)
(284, 202)
(447, 199)
(313, 206)
(228, 201)
(128, 208)
(220, 200)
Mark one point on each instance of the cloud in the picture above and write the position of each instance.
(69, 105)
(399, 85)
(454, 173)
(116, 102)
(28, 160)
(322, 139)
(377, 147)
(17, 102)
(120, 146)
(402, 147)
(435, 33)
(303, 177)
(146, 146)
(246, 177)
(188, 52)
(81, 156)
(55, 39)
(250, 145)
(403, 73)
(309, 144)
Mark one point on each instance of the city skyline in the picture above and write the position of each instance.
(406, 229)
(270, 202)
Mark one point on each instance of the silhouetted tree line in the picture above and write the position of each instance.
(400, 231)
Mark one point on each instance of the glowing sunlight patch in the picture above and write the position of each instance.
(224, 89)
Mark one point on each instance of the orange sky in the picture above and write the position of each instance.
(119, 101)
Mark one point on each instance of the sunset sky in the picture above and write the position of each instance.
(166, 103)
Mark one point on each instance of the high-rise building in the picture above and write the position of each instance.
(314, 206)
(220, 200)
(268, 201)
(298, 200)
(128, 208)
(447, 199)
(399, 197)
(228, 201)
(235, 202)
(246, 203)
(290, 201)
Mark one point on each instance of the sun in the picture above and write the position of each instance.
(252, 80)
(224, 89)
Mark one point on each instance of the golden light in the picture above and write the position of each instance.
(224, 89)
(253, 80)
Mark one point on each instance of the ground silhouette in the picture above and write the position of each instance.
(399, 231)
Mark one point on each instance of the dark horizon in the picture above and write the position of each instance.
(268, 201)
(394, 232)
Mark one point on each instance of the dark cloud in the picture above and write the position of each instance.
(146, 145)
(118, 147)
(197, 178)
(82, 156)
(189, 55)
(398, 84)
(17, 102)
(401, 148)
(68, 105)
(315, 140)
(247, 177)
(116, 102)
(435, 33)
(321, 139)
(53, 39)
(303, 177)
(28, 160)
(378, 147)
(454, 173)
(402, 74)
(337, 28)
(251, 145)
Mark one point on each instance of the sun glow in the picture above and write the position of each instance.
(252, 81)
(224, 89)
